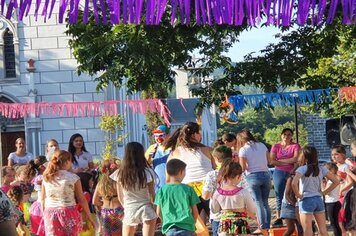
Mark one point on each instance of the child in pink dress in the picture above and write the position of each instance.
(60, 191)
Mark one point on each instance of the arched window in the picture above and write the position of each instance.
(9, 54)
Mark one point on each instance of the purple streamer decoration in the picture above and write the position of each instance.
(2, 6)
(197, 11)
(62, 10)
(131, 11)
(85, 12)
(208, 13)
(44, 10)
(230, 12)
(38, 4)
(203, 11)
(174, 4)
(187, 11)
(124, 11)
(103, 11)
(51, 8)
(139, 5)
(321, 11)
(332, 11)
(96, 12)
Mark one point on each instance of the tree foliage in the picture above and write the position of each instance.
(273, 135)
(307, 57)
(145, 54)
(261, 121)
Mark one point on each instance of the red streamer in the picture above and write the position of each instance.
(348, 94)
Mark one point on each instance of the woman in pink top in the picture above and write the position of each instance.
(283, 156)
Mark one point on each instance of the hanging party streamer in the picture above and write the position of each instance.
(230, 12)
(280, 99)
(83, 109)
(348, 94)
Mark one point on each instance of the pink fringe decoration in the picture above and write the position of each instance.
(230, 12)
(83, 109)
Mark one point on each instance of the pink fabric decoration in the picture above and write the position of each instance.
(83, 109)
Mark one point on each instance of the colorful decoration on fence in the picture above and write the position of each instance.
(281, 99)
(348, 94)
(231, 12)
(227, 112)
(84, 109)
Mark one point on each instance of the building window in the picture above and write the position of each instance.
(9, 54)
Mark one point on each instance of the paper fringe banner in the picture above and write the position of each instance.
(83, 109)
(281, 99)
(231, 12)
(348, 94)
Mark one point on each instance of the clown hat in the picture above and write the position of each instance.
(162, 129)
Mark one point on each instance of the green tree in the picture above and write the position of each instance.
(307, 57)
(273, 135)
(147, 55)
(258, 121)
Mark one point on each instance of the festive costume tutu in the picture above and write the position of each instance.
(35, 217)
(234, 223)
(112, 221)
(61, 221)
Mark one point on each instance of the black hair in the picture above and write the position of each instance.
(85, 177)
(228, 137)
(287, 129)
(311, 157)
(222, 152)
(339, 149)
(71, 148)
(175, 166)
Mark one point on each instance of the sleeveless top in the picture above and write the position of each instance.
(198, 164)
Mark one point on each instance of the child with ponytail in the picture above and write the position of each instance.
(234, 203)
(35, 209)
(60, 190)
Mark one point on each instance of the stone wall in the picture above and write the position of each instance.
(317, 135)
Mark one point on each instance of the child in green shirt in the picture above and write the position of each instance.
(176, 202)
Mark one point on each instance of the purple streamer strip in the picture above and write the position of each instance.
(231, 12)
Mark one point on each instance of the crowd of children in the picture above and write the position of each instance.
(119, 198)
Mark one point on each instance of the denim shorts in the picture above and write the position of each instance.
(288, 211)
(176, 231)
(311, 205)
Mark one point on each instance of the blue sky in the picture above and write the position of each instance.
(253, 41)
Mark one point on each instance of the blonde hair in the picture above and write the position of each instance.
(106, 186)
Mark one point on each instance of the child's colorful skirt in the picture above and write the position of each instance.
(112, 221)
(35, 217)
(61, 221)
(234, 223)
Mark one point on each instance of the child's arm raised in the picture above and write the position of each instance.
(78, 191)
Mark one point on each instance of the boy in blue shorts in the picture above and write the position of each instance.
(176, 202)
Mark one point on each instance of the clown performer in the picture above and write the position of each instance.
(157, 155)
